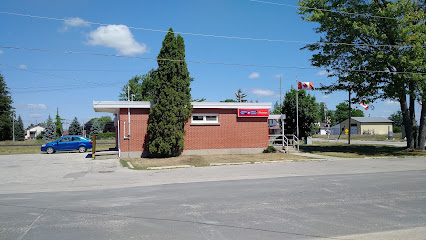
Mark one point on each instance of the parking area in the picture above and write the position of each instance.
(42, 172)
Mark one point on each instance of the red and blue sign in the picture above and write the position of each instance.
(253, 112)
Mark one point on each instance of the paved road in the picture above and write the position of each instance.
(77, 198)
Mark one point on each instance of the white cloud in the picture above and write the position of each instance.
(1, 52)
(118, 37)
(254, 75)
(391, 102)
(76, 22)
(36, 106)
(262, 92)
(324, 73)
(22, 66)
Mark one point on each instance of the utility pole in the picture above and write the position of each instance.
(350, 111)
(281, 92)
(297, 108)
(13, 125)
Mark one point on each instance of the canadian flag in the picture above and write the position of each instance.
(305, 85)
(365, 106)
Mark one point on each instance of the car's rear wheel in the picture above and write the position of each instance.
(82, 149)
(50, 150)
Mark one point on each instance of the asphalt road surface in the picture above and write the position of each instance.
(343, 199)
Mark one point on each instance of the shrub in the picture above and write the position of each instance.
(40, 136)
(397, 129)
(270, 149)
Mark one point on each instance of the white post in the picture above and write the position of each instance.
(13, 125)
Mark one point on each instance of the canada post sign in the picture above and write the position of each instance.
(253, 112)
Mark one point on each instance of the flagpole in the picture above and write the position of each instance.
(297, 108)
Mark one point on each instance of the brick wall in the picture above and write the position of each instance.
(233, 132)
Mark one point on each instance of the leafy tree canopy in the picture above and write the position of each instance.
(308, 113)
(342, 112)
(101, 120)
(396, 117)
(141, 87)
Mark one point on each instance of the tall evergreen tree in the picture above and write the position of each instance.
(75, 127)
(172, 103)
(5, 111)
(58, 124)
(19, 130)
(49, 131)
(239, 95)
(96, 128)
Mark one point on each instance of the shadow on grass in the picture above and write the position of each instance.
(361, 150)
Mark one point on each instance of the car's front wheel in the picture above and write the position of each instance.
(50, 150)
(82, 149)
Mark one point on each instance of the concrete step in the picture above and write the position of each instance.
(106, 154)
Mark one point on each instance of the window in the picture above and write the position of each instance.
(76, 139)
(205, 119)
(65, 139)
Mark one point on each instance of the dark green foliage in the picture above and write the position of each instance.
(101, 120)
(106, 135)
(270, 149)
(49, 131)
(229, 100)
(397, 119)
(40, 136)
(75, 127)
(19, 130)
(172, 103)
(58, 124)
(308, 113)
(95, 129)
(239, 95)
(5, 111)
(377, 69)
(397, 129)
(142, 87)
(277, 108)
(342, 112)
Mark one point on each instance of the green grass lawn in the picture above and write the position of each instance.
(359, 150)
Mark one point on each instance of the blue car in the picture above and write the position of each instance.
(68, 143)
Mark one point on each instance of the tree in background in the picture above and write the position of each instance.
(5, 111)
(49, 131)
(75, 127)
(58, 124)
(239, 95)
(172, 103)
(397, 121)
(308, 113)
(342, 112)
(228, 100)
(276, 109)
(101, 120)
(382, 57)
(95, 129)
(19, 130)
(142, 87)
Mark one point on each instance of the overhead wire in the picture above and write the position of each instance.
(327, 10)
(205, 62)
(209, 35)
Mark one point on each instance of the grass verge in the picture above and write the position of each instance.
(206, 160)
(359, 150)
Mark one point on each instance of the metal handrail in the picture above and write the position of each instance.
(297, 141)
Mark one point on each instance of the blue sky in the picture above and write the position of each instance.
(41, 82)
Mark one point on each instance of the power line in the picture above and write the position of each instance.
(203, 62)
(328, 10)
(212, 35)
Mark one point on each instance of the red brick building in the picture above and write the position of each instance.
(213, 128)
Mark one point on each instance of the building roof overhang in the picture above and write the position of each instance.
(115, 106)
